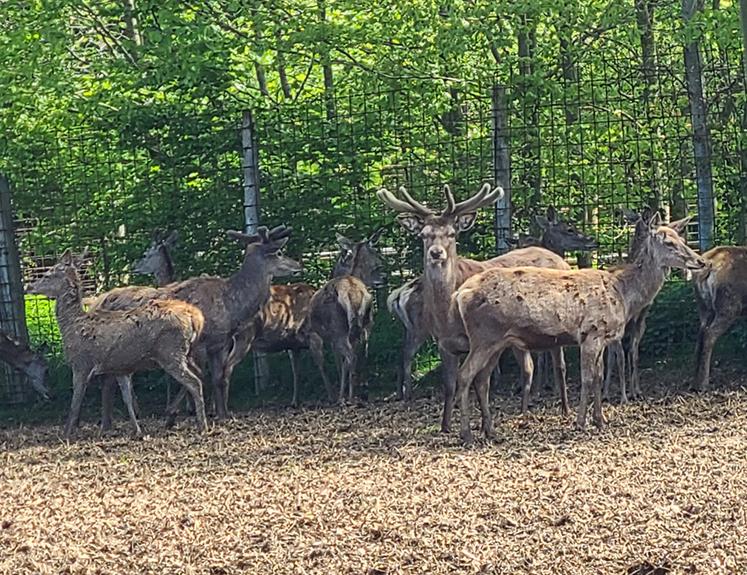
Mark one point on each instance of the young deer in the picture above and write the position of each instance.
(406, 302)
(341, 314)
(721, 293)
(23, 359)
(538, 308)
(230, 305)
(445, 272)
(119, 343)
(623, 355)
(156, 261)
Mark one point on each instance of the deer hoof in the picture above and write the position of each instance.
(466, 436)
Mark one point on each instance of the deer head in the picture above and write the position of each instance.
(666, 246)
(266, 245)
(559, 236)
(157, 256)
(439, 231)
(61, 277)
(361, 259)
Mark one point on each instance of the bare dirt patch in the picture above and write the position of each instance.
(377, 490)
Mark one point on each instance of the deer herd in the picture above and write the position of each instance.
(529, 300)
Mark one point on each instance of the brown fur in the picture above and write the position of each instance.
(119, 343)
(22, 358)
(229, 305)
(721, 294)
(341, 314)
(532, 308)
(445, 272)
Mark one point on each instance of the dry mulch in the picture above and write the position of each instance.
(376, 490)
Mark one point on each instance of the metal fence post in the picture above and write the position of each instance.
(250, 176)
(12, 313)
(501, 168)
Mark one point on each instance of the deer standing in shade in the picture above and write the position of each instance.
(341, 314)
(102, 342)
(535, 309)
(406, 302)
(623, 355)
(445, 272)
(230, 305)
(721, 294)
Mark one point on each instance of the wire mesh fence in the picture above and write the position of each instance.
(588, 141)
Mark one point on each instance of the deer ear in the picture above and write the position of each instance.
(655, 221)
(465, 221)
(376, 236)
(342, 241)
(680, 226)
(171, 239)
(411, 223)
(67, 257)
(542, 222)
(552, 215)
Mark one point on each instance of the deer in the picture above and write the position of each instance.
(120, 343)
(406, 302)
(624, 355)
(341, 312)
(155, 261)
(445, 272)
(20, 357)
(721, 296)
(278, 325)
(535, 309)
(230, 305)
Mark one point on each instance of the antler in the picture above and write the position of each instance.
(482, 198)
(406, 206)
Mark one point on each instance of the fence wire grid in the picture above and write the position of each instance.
(586, 143)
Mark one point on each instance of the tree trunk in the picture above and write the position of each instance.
(329, 80)
(284, 85)
(701, 135)
(131, 25)
(743, 145)
(258, 67)
(529, 98)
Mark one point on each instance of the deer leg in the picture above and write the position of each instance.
(80, 382)
(181, 372)
(477, 360)
(316, 347)
(293, 356)
(621, 371)
(173, 407)
(217, 361)
(409, 349)
(449, 366)
(598, 366)
(559, 376)
(608, 371)
(125, 388)
(524, 359)
(639, 327)
(587, 379)
(482, 388)
(107, 402)
(711, 333)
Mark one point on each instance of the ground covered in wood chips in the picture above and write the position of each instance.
(377, 490)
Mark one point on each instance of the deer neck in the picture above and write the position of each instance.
(639, 282)
(251, 280)
(165, 273)
(69, 308)
(439, 283)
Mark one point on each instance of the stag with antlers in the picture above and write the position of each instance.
(445, 272)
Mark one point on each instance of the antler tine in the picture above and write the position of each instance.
(416, 205)
(400, 206)
(280, 232)
(450, 201)
(482, 198)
